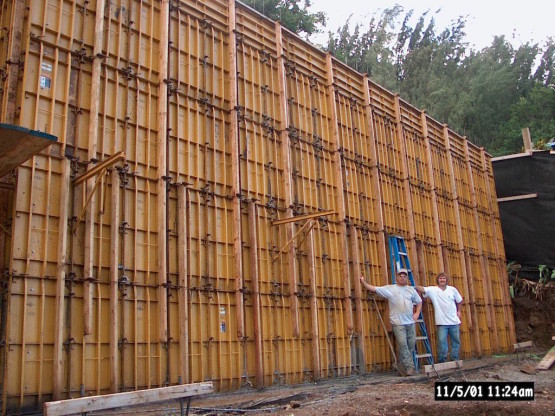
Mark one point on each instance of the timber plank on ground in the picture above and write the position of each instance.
(108, 401)
(547, 361)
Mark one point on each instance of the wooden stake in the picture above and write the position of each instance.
(287, 178)
(257, 313)
(528, 146)
(236, 172)
(183, 272)
(57, 368)
(114, 270)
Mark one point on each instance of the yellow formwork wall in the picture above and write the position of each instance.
(169, 267)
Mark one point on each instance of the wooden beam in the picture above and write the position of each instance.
(99, 167)
(521, 345)
(303, 217)
(547, 361)
(430, 167)
(183, 271)
(313, 307)
(509, 157)
(235, 172)
(92, 154)
(340, 199)
(132, 398)
(527, 139)
(309, 224)
(114, 277)
(443, 366)
(162, 173)
(517, 198)
(57, 365)
(376, 185)
(285, 147)
(257, 312)
(14, 43)
(406, 182)
(359, 317)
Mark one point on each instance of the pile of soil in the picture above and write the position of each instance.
(534, 312)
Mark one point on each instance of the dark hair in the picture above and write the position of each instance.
(442, 274)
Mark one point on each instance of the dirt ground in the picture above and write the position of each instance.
(390, 394)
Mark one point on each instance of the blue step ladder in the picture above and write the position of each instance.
(399, 259)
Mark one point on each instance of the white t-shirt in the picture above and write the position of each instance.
(401, 300)
(445, 308)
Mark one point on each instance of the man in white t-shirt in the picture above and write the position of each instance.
(447, 312)
(402, 315)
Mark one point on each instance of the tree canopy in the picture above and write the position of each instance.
(291, 14)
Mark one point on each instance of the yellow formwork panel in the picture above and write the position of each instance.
(389, 147)
(334, 344)
(377, 354)
(462, 180)
(447, 221)
(271, 262)
(210, 242)
(440, 164)
(215, 352)
(415, 144)
(262, 172)
(394, 205)
(470, 235)
(281, 350)
(423, 213)
(199, 49)
(361, 201)
(487, 225)
(484, 330)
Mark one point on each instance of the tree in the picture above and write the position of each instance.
(291, 15)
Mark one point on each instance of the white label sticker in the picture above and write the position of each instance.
(46, 67)
(44, 82)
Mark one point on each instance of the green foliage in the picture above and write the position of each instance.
(291, 15)
(487, 95)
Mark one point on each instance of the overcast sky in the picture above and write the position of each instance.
(529, 20)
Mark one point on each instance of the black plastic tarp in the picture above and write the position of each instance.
(528, 224)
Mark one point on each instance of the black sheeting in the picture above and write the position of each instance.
(528, 225)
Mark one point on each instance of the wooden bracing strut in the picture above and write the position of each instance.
(310, 224)
(99, 171)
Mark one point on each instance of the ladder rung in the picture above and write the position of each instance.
(421, 338)
(420, 320)
(423, 355)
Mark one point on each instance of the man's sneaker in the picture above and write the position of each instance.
(401, 370)
(410, 371)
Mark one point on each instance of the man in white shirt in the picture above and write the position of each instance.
(402, 315)
(447, 312)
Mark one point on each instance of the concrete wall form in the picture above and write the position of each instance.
(166, 268)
